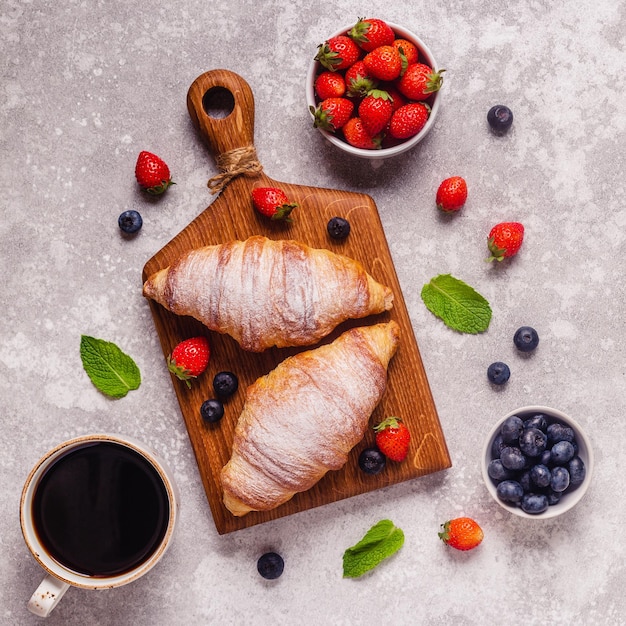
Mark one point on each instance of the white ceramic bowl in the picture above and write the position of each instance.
(569, 499)
(384, 153)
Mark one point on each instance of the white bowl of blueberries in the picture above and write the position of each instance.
(537, 462)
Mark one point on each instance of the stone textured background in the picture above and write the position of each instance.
(85, 86)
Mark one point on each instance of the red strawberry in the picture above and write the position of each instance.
(452, 194)
(332, 113)
(338, 53)
(462, 533)
(393, 438)
(152, 173)
(330, 85)
(397, 99)
(358, 80)
(505, 240)
(357, 136)
(273, 203)
(371, 33)
(408, 120)
(420, 81)
(408, 49)
(375, 111)
(384, 63)
(189, 358)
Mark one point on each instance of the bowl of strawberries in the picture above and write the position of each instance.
(373, 89)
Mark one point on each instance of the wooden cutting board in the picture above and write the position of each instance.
(231, 216)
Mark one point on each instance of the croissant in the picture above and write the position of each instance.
(266, 293)
(303, 418)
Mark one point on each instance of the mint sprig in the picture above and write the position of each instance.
(380, 542)
(460, 306)
(112, 371)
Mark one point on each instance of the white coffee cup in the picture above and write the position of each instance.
(60, 576)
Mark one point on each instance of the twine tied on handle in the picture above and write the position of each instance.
(232, 164)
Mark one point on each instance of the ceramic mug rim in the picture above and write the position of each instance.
(76, 579)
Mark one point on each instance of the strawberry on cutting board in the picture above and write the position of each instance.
(189, 358)
(393, 438)
(273, 202)
(152, 173)
(505, 240)
(462, 533)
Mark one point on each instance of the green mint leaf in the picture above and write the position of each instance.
(457, 304)
(381, 541)
(110, 370)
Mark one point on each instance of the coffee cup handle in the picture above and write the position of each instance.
(47, 596)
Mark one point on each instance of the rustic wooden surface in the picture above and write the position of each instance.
(231, 216)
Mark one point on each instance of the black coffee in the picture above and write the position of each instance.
(101, 509)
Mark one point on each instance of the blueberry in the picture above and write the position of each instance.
(560, 479)
(554, 497)
(130, 222)
(525, 481)
(534, 503)
(540, 475)
(513, 459)
(526, 339)
(510, 491)
(270, 565)
(500, 118)
(559, 432)
(546, 457)
(562, 452)
(496, 446)
(511, 429)
(497, 471)
(533, 442)
(372, 461)
(537, 421)
(225, 384)
(212, 410)
(338, 228)
(577, 471)
(498, 373)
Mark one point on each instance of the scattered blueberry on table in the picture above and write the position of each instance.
(498, 373)
(500, 118)
(270, 565)
(526, 339)
(130, 222)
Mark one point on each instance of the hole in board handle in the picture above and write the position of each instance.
(218, 102)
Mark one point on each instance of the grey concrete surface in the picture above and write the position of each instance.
(85, 86)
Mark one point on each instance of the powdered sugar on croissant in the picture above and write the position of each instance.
(303, 418)
(266, 293)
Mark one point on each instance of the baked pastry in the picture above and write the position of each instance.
(303, 418)
(266, 293)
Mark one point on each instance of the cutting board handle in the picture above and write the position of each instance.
(226, 93)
